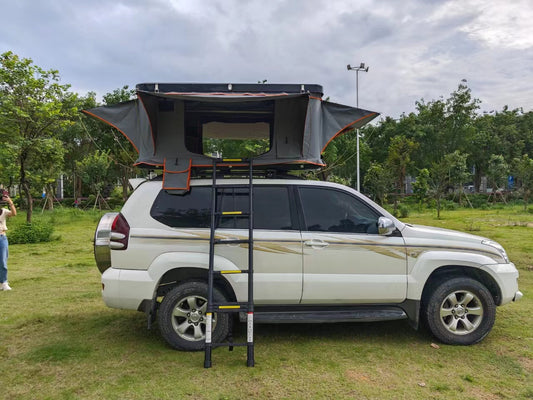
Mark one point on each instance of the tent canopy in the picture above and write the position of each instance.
(167, 123)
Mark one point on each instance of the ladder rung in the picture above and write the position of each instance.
(233, 159)
(229, 344)
(237, 186)
(233, 214)
(230, 307)
(232, 271)
(232, 241)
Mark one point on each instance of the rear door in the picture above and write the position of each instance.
(278, 265)
(345, 259)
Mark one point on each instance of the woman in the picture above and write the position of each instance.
(5, 214)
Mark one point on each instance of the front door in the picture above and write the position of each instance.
(345, 259)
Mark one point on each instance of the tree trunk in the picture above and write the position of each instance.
(124, 181)
(77, 187)
(477, 179)
(29, 202)
(49, 197)
(26, 189)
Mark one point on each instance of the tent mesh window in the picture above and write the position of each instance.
(229, 130)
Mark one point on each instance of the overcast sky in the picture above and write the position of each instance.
(415, 49)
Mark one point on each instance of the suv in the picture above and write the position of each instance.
(322, 253)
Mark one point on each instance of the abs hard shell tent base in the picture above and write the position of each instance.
(167, 123)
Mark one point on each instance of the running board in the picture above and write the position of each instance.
(354, 315)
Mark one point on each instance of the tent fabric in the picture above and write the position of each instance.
(166, 127)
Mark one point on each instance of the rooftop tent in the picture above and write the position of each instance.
(168, 122)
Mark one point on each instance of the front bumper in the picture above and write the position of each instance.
(506, 276)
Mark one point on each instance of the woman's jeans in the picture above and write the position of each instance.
(3, 258)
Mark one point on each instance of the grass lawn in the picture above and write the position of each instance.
(59, 341)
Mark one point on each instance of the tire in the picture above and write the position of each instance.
(460, 311)
(182, 320)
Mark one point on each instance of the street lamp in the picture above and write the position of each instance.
(361, 67)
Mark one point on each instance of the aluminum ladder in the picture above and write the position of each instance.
(230, 307)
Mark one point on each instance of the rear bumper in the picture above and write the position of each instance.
(126, 289)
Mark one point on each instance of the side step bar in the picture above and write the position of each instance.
(356, 315)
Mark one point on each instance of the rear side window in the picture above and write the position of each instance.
(193, 209)
(190, 210)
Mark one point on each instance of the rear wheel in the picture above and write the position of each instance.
(460, 311)
(182, 317)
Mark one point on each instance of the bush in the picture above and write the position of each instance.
(403, 211)
(35, 232)
(479, 200)
(449, 205)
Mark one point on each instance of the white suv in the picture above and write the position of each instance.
(322, 253)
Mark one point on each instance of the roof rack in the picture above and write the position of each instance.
(236, 173)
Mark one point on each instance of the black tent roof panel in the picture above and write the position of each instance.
(271, 88)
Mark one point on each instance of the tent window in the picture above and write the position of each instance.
(240, 129)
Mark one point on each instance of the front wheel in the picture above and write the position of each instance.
(460, 311)
(182, 317)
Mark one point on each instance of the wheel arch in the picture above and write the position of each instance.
(175, 276)
(454, 271)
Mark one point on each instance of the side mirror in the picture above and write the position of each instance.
(385, 226)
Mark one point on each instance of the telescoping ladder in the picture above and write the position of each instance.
(248, 306)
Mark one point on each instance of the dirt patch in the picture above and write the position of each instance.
(526, 363)
(482, 395)
(357, 376)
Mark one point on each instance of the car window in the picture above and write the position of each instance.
(330, 210)
(190, 210)
(193, 209)
(271, 205)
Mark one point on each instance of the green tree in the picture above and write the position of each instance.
(78, 142)
(399, 159)
(421, 186)
(229, 148)
(446, 175)
(34, 107)
(340, 157)
(523, 167)
(484, 144)
(497, 173)
(94, 171)
(378, 182)
(444, 126)
(8, 165)
(49, 155)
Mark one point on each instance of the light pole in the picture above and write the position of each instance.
(361, 67)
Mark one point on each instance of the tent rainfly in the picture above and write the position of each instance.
(167, 123)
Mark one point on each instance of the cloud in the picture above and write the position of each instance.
(415, 48)
(502, 25)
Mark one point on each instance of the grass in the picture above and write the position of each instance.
(59, 341)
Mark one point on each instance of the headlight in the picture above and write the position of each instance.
(498, 247)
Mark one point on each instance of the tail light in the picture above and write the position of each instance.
(120, 232)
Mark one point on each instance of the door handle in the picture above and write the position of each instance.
(316, 243)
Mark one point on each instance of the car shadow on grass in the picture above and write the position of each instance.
(121, 332)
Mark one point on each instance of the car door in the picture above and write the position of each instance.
(278, 267)
(345, 259)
